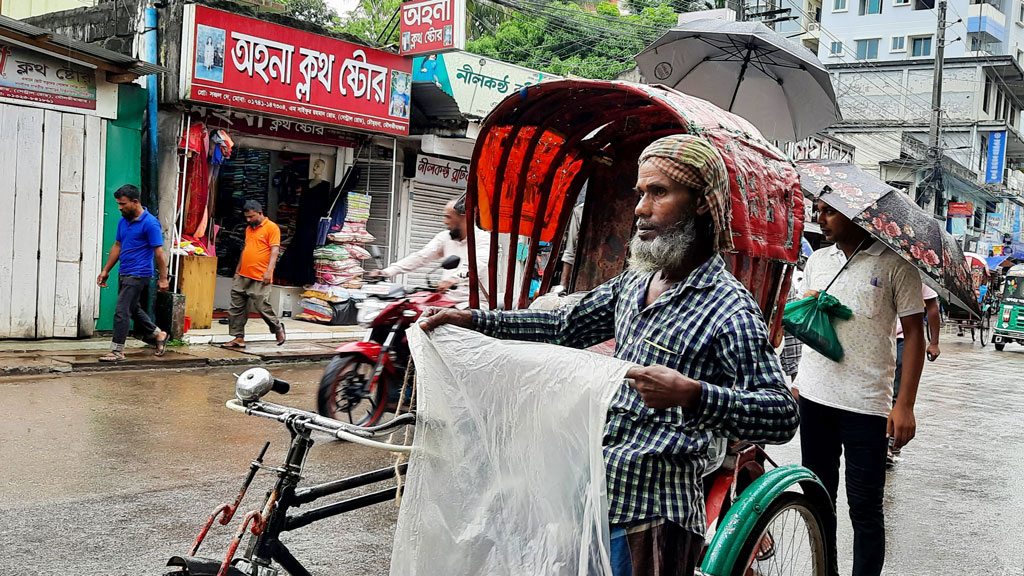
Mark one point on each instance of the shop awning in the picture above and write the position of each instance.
(434, 103)
(120, 69)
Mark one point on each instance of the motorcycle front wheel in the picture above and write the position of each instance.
(347, 394)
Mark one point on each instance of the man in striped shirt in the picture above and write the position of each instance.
(705, 367)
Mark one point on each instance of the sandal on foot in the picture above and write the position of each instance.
(232, 345)
(281, 336)
(161, 346)
(112, 357)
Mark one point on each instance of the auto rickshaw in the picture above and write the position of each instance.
(536, 151)
(1009, 317)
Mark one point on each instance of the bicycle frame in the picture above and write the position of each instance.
(273, 519)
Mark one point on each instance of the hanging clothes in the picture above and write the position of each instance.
(296, 265)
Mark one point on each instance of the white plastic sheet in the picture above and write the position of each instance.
(507, 475)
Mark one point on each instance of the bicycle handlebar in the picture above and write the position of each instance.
(313, 421)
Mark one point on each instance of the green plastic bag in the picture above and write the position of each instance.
(810, 321)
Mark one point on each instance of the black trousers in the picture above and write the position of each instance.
(129, 291)
(824, 434)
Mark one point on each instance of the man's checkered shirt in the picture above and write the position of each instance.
(708, 328)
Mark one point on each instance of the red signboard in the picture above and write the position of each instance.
(960, 209)
(430, 26)
(244, 63)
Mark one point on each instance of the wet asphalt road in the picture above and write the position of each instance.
(112, 473)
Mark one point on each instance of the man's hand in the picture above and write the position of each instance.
(662, 387)
(933, 352)
(434, 317)
(446, 285)
(101, 280)
(162, 285)
(268, 277)
(375, 274)
(901, 426)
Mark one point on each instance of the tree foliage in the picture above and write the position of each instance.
(369, 20)
(313, 11)
(567, 39)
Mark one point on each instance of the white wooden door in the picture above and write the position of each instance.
(51, 222)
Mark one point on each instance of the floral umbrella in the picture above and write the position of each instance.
(894, 219)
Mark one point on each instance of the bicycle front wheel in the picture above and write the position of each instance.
(788, 540)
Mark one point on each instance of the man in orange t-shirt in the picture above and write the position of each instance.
(254, 276)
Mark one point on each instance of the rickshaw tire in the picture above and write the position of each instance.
(784, 501)
(999, 346)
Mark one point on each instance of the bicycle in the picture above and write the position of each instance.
(763, 528)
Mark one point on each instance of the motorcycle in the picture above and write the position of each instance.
(365, 378)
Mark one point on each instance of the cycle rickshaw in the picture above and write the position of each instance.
(534, 154)
(980, 326)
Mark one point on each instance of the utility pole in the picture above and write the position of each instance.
(935, 127)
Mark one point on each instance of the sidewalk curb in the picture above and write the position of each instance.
(184, 364)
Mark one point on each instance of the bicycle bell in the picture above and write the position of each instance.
(253, 384)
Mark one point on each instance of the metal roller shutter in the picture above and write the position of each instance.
(426, 219)
(376, 177)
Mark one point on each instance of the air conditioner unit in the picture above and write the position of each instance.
(813, 27)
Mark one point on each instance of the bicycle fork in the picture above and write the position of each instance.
(227, 511)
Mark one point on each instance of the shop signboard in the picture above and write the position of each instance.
(31, 76)
(960, 209)
(996, 157)
(246, 123)
(431, 26)
(818, 147)
(248, 64)
(441, 172)
(476, 83)
(994, 227)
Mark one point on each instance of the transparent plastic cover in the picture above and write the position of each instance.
(506, 475)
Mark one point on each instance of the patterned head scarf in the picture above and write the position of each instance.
(693, 161)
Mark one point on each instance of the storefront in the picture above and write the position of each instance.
(300, 123)
(69, 136)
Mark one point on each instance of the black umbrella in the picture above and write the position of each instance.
(895, 220)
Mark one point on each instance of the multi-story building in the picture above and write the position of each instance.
(881, 55)
(901, 30)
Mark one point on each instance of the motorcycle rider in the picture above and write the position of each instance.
(452, 241)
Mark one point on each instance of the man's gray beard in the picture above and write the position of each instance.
(665, 252)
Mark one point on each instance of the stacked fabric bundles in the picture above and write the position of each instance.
(319, 302)
(338, 263)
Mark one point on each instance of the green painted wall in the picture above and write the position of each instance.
(124, 166)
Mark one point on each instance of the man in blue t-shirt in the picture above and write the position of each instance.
(139, 242)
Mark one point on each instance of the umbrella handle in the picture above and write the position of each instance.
(848, 260)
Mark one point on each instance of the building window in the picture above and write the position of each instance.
(921, 46)
(836, 49)
(924, 4)
(999, 104)
(817, 14)
(1020, 15)
(987, 96)
(901, 3)
(899, 44)
(839, 6)
(870, 7)
(867, 49)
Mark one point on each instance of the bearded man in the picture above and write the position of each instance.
(704, 365)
